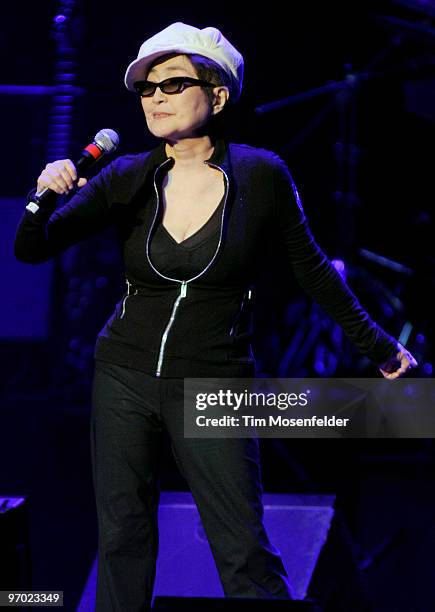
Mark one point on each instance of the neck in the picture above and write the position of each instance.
(190, 152)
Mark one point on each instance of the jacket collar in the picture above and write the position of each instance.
(219, 157)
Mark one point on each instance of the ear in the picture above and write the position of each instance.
(221, 97)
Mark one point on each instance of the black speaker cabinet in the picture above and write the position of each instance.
(306, 529)
(15, 560)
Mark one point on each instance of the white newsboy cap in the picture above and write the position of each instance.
(182, 38)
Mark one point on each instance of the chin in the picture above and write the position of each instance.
(161, 131)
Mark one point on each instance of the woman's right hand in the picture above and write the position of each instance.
(59, 176)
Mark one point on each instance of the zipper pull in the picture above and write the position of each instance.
(128, 286)
(183, 289)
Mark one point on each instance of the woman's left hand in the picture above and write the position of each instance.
(400, 364)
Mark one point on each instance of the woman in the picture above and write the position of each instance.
(193, 217)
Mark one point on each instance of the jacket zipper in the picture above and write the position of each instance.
(183, 284)
(124, 301)
(181, 295)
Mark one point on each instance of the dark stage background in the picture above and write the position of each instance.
(361, 153)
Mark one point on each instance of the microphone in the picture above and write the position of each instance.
(105, 141)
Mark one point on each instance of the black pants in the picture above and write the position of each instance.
(130, 412)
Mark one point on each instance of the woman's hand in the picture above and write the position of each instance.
(59, 176)
(400, 364)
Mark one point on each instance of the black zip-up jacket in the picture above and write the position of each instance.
(200, 326)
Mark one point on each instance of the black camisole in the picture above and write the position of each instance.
(188, 258)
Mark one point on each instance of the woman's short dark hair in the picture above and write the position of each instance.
(208, 70)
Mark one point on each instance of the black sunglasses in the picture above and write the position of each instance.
(175, 85)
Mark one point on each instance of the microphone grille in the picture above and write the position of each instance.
(107, 140)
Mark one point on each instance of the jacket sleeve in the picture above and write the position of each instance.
(42, 235)
(319, 278)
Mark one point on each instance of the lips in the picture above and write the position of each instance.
(161, 115)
